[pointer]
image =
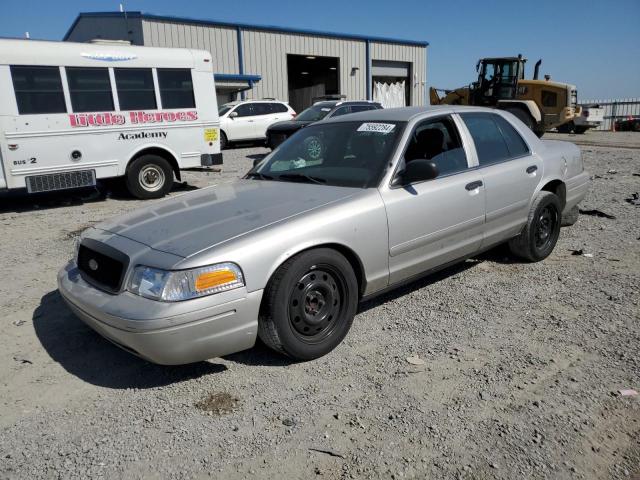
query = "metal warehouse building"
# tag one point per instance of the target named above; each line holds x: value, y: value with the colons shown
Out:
x: 255, y: 61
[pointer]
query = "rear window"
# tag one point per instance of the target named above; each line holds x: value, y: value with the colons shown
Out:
x: 490, y: 145
x: 135, y: 89
x: 176, y: 88
x: 278, y: 107
x: 38, y: 90
x: 516, y: 145
x: 90, y: 89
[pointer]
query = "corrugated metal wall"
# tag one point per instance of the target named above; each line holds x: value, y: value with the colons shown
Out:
x: 415, y: 55
x: 108, y: 28
x: 220, y: 41
x: 616, y: 110
x: 265, y: 53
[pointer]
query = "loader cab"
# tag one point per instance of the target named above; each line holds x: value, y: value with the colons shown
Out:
x: 497, y: 80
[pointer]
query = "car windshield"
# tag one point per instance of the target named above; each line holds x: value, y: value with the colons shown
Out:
x: 348, y: 154
x: 224, y: 109
x: 314, y: 113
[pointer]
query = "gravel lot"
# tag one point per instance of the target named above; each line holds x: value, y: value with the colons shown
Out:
x: 523, y: 363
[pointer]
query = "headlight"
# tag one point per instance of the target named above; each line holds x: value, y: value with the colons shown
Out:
x: 175, y: 286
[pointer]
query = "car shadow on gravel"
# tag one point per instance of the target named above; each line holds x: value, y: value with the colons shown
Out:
x: 20, y: 201
x: 88, y: 356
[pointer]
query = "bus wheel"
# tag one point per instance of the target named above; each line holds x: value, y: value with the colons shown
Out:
x: 149, y: 176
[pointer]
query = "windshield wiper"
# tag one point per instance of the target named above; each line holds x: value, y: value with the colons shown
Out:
x: 301, y: 176
x: 260, y: 176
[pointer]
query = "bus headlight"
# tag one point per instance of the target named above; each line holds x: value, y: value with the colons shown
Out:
x: 179, y: 285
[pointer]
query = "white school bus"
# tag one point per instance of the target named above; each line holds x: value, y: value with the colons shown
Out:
x: 72, y: 113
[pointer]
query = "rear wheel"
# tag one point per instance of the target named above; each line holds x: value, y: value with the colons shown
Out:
x: 309, y: 304
x: 149, y: 176
x: 540, y: 235
x: 527, y: 119
x: 223, y: 140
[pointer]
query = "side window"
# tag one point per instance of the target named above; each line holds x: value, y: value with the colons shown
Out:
x: 176, y: 88
x: 516, y: 145
x: 245, y: 110
x: 490, y: 144
x: 135, y: 89
x: 341, y: 111
x: 38, y: 90
x: 438, y: 140
x: 549, y: 99
x: 361, y: 108
x: 261, y: 108
x: 90, y: 89
x: 278, y: 108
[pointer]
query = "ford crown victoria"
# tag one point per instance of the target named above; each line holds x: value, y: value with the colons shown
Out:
x: 287, y: 252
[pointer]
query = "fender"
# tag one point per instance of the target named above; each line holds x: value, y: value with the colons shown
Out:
x: 528, y: 105
x: 139, y: 148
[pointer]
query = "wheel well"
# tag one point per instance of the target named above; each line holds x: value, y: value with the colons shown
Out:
x: 352, y: 258
x: 559, y: 188
x: 160, y: 152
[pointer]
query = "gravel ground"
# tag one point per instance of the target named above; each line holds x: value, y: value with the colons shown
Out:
x: 523, y: 363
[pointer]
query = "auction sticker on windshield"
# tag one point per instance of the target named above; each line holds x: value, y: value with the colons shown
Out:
x: 383, y: 128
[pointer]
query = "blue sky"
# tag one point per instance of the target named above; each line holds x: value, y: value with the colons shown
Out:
x: 593, y: 44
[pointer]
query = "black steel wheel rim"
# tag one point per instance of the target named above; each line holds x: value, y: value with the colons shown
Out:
x: 546, y: 227
x: 316, y: 303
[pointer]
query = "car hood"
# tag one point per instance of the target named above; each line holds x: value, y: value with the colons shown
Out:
x: 190, y: 223
x: 288, y: 125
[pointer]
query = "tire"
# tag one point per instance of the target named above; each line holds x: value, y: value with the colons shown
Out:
x: 571, y: 217
x: 523, y: 116
x: 149, y: 176
x: 223, y: 140
x: 309, y: 304
x: 580, y: 130
x: 540, y: 234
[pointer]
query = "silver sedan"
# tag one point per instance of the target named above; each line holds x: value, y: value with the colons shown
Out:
x: 343, y: 210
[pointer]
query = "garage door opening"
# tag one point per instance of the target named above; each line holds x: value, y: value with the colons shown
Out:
x: 391, y: 85
x: 310, y: 77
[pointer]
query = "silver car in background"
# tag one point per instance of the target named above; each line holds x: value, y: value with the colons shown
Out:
x: 287, y: 252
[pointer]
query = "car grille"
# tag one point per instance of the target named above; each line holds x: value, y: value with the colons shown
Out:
x: 276, y: 139
x: 61, y: 181
x: 101, y: 269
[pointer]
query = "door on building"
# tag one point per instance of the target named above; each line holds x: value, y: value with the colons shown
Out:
x: 311, y: 76
x: 391, y: 83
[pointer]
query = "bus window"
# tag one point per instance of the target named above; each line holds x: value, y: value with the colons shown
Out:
x: 38, y: 89
x: 90, y: 89
x: 135, y: 89
x: 176, y: 88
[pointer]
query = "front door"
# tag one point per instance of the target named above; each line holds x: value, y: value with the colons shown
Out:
x: 434, y: 222
x: 244, y: 126
x: 509, y: 170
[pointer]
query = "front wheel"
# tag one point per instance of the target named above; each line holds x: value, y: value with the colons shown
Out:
x: 309, y: 304
x: 149, y: 176
x: 540, y: 235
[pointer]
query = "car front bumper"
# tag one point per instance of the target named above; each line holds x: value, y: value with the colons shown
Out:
x: 165, y: 333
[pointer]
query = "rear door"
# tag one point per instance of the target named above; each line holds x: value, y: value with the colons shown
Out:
x: 509, y: 170
x: 434, y: 222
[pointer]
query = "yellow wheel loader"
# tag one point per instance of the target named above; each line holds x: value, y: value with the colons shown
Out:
x: 540, y: 104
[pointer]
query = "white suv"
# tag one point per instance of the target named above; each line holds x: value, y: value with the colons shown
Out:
x: 249, y: 119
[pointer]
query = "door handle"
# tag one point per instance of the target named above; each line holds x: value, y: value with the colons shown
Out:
x: 473, y: 185
x: 532, y: 169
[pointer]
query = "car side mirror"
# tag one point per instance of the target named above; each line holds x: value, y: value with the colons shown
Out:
x: 233, y: 114
x: 418, y: 171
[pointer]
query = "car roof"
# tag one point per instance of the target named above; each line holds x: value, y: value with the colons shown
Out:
x: 403, y: 114
x: 262, y: 100
x: 335, y: 103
